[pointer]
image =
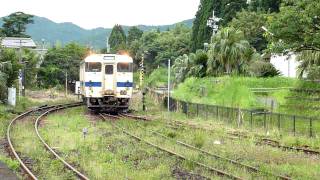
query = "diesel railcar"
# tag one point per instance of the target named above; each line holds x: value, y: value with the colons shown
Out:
x: 106, y: 82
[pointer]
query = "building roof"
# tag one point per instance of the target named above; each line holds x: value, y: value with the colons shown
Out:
x: 16, y: 42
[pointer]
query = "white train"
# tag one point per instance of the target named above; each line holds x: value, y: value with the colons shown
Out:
x: 106, y: 82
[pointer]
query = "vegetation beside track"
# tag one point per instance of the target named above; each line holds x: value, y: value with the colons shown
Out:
x: 7, y: 113
x: 109, y: 154
x: 106, y: 153
x: 291, y: 163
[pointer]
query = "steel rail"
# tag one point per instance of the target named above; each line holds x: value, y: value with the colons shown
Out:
x: 261, y: 139
x: 216, y: 171
x: 12, y: 149
x: 249, y: 167
x: 36, y: 125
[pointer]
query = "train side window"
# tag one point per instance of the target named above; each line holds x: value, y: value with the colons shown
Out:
x: 109, y: 69
x: 124, y: 67
x: 93, y: 67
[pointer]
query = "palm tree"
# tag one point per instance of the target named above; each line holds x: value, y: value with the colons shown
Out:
x: 228, y: 52
x: 308, y: 59
x: 181, y: 68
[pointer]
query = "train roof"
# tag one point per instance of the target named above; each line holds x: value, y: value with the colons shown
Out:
x: 108, y: 58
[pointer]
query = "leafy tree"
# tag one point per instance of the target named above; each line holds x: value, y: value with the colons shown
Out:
x: 59, y: 60
x: 262, y: 69
x: 117, y: 39
x: 230, y: 8
x: 10, y: 72
x: 159, y: 47
x: 309, y: 62
x: 15, y: 24
x: 265, y: 5
x: 228, y: 52
x: 201, y: 33
x: 134, y: 34
x: 181, y: 68
x: 31, y: 69
x: 296, y: 27
x: 250, y: 24
x: 225, y: 9
x: 199, y: 61
x: 192, y: 65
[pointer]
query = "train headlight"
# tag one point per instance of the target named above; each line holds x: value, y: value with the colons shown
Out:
x: 123, y: 92
x: 108, y: 92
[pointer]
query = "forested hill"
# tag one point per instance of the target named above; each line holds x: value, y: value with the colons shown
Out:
x: 66, y: 32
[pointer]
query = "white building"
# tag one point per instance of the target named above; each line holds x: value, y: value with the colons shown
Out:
x: 16, y: 42
x: 286, y: 64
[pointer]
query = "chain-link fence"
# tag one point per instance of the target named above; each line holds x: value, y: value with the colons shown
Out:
x: 254, y: 119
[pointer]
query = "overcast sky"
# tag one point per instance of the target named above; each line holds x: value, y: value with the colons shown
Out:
x: 105, y: 13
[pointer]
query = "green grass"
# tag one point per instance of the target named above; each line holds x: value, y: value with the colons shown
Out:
x: 7, y: 113
x: 295, y: 164
x: 105, y: 153
x: 238, y: 92
x: 44, y: 166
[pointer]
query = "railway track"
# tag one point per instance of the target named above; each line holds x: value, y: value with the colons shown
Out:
x: 261, y: 140
x: 170, y: 152
x: 210, y: 154
x: 40, y: 112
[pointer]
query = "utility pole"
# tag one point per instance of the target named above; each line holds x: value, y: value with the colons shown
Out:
x: 66, y: 84
x: 169, y: 74
x: 108, y: 45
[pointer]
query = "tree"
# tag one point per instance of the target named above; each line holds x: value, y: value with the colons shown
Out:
x: 15, y: 24
x: 230, y: 9
x: 263, y: 69
x: 134, y: 34
x: 265, y: 5
x: 225, y: 9
x: 31, y: 69
x: 250, y: 24
x: 309, y: 63
x: 192, y: 65
x: 117, y: 39
x: 59, y: 60
x: 158, y: 47
x: 296, y: 27
x: 11, y: 72
x: 201, y: 33
x: 228, y: 52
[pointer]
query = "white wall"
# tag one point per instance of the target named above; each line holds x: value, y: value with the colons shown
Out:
x: 286, y: 64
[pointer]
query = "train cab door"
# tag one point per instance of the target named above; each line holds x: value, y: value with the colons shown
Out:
x: 109, y: 79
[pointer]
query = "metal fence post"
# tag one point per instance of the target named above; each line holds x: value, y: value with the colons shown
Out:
x: 294, y: 125
x: 217, y: 113
x: 197, y: 110
x: 207, y: 109
x: 279, y: 122
x: 251, y: 120
x: 265, y: 121
x: 310, y: 128
x: 187, y: 110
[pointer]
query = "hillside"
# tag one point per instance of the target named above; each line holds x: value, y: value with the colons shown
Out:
x: 52, y: 32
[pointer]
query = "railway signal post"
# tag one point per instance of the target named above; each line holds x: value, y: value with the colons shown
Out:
x: 141, y: 83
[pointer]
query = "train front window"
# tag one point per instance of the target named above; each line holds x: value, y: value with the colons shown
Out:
x: 93, y: 67
x: 124, y: 67
x: 109, y: 69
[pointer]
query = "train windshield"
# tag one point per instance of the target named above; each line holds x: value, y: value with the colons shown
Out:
x: 124, y: 67
x: 93, y: 67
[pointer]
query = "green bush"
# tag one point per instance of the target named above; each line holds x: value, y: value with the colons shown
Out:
x: 12, y: 164
x: 158, y: 78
